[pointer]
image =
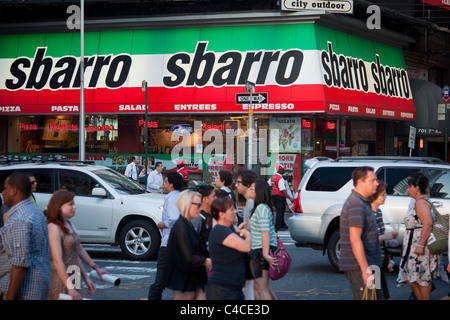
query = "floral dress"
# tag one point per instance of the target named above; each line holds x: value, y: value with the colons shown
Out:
x: 415, y: 268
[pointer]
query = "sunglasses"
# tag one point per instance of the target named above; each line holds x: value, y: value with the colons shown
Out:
x: 197, y: 204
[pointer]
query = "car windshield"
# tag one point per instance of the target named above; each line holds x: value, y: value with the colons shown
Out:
x: 118, y: 182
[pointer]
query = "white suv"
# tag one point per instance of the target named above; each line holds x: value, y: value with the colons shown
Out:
x: 327, y: 184
x: 110, y: 208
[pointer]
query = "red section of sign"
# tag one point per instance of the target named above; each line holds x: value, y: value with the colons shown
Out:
x: 290, y: 99
x: 440, y: 3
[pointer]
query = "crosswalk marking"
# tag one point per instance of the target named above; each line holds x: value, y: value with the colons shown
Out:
x: 285, y: 237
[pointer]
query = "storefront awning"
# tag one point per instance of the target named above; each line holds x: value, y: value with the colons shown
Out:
x: 298, y: 68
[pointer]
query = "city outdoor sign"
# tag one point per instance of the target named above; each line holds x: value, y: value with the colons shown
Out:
x: 336, y: 6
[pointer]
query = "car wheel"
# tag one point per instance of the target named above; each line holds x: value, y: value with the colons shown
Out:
x: 333, y: 248
x: 139, y: 240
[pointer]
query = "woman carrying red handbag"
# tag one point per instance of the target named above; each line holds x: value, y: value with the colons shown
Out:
x: 264, y: 237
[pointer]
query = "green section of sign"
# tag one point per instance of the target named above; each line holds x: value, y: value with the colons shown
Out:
x: 353, y: 46
x: 220, y: 39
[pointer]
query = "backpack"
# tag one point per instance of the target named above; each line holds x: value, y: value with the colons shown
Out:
x: 284, y: 262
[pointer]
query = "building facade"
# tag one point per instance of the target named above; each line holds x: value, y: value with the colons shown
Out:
x: 324, y: 86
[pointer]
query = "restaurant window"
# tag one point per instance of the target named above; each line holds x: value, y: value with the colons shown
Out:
x: 102, y: 134
x: 48, y: 133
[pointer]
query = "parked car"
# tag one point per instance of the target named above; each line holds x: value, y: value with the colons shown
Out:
x: 111, y: 209
x: 327, y: 184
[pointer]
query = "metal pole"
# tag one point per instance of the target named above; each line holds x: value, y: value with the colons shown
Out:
x: 82, y: 130
x: 250, y: 134
x: 446, y: 134
x: 146, y: 135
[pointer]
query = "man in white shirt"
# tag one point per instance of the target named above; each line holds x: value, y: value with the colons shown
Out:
x: 132, y: 171
x: 155, y: 181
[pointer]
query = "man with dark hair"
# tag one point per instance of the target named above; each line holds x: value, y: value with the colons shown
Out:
x: 224, y: 180
x: 279, y: 196
x: 170, y: 214
x: 24, y: 244
x: 33, y: 182
x: 155, y: 182
x: 360, y: 246
x: 244, y: 180
x: 202, y: 224
x: 132, y: 170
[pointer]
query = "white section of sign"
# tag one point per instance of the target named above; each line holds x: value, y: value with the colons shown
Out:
x: 412, y: 137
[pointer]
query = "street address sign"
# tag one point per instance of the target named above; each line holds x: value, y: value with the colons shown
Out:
x: 244, y: 98
x: 412, y: 137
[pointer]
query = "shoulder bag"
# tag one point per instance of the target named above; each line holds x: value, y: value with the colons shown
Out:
x: 438, y: 239
x: 284, y: 262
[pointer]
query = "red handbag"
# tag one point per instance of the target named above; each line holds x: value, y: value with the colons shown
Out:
x: 284, y: 262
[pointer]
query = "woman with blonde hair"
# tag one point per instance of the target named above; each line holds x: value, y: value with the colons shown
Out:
x: 187, y: 260
x: 66, y: 251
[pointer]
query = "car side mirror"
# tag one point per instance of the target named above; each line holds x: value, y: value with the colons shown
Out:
x: 99, y: 192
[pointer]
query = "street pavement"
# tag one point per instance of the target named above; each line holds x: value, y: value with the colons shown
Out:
x: 311, y: 277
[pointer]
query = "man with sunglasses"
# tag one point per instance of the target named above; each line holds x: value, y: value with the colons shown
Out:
x: 244, y: 180
x: 33, y: 187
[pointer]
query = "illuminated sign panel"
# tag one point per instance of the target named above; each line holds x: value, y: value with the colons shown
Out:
x: 303, y: 72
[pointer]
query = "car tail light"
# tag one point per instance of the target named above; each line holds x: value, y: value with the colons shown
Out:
x: 297, y: 206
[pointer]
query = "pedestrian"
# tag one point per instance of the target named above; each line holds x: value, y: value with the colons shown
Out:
x: 378, y: 199
x: 244, y: 180
x: 33, y: 182
x: 187, y: 260
x: 203, y: 223
x: 155, y: 182
x: 417, y: 265
x: 264, y: 238
x: 3, y: 209
x: 142, y: 173
x: 224, y: 181
x: 227, y: 251
x: 181, y: 169
x: 24, y: 244
x: 170, y: 214
x: 132, y: 170
x: 360, y: 245
x: 279, y: 196
x: 66, y: 251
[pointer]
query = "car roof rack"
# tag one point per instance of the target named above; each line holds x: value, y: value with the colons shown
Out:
x: 390, y: 158
x: 11, y: 160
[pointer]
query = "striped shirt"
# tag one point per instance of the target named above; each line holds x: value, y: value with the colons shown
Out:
x: 357, y: 212
x: 24, y: 243
x: 261, y: 221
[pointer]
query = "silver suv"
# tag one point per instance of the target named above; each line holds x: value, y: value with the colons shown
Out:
x: 327, y: 184
x: 110, y: 208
